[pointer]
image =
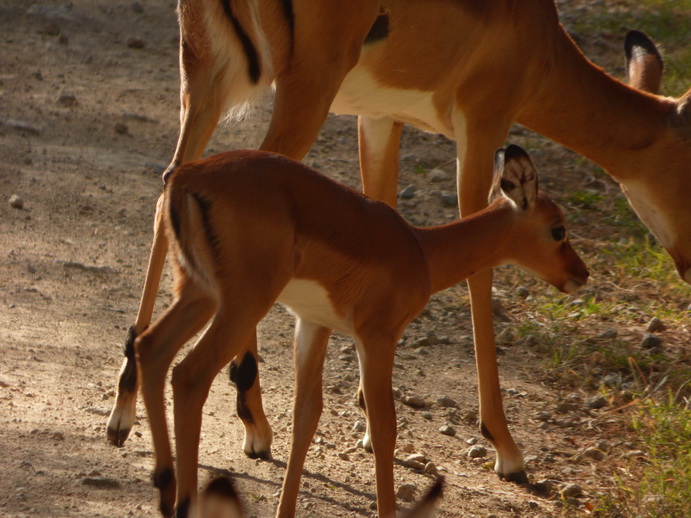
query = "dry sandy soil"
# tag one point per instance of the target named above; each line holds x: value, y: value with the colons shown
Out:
x: 88, y: 120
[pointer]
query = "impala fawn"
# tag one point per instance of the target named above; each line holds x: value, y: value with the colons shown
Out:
x: 247, y: 229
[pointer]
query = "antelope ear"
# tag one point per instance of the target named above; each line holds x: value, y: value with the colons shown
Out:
x: 518, y: 180
x: 644, y: 63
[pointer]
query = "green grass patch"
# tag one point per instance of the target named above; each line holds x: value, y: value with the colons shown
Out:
x: 660, y: 486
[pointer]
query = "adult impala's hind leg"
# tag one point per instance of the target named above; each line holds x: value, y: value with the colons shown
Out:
x: 309, y: 76
x: 244, y: 374
x: 123, y: 414
x: 155, y: 351
x: 310, y: 348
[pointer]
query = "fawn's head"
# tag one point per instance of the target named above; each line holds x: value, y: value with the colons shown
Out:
x: 540, y: 242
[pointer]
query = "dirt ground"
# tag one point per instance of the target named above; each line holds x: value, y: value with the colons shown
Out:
x: 88, y: 120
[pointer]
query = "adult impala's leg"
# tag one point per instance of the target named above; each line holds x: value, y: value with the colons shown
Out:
x: 477, y: 141
x: 379, y: 144
x: 309, y: 350
x: 377, y: 367
x: 155, y: 350
x: 327, y: 39
x: 224, y: 63
x: 245, y: 375
x: 123, y: 415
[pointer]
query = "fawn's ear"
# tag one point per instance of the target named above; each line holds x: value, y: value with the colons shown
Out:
x: 515, y: 175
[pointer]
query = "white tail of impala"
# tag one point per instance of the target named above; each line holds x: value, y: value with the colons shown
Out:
x: 462, y: 68
x: 247, y: 229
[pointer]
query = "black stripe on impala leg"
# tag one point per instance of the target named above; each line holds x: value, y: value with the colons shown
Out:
x: 127, y: 384
x: 162, y: 480
x: 128, y: 380
x: 243, y: 376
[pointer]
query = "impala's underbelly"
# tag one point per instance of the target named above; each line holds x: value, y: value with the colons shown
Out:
x: 311, y: 302
x: 360, y: 94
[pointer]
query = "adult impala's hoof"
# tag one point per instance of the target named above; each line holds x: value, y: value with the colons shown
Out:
x: 117, y: 436
x: 263, y: 455
x: 519, y: 477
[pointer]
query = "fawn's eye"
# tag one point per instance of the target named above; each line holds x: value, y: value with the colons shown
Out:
x: 558, y: 233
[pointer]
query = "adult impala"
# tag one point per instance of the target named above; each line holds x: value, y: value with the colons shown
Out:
x: 247, y: 229
x: 464, y: 68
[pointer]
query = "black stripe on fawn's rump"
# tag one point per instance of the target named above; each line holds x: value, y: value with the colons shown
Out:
x: 253, y: 64
x: 205, y: 210
x: 128, y: 379
x: 379, y: 30
x: 290, y: 18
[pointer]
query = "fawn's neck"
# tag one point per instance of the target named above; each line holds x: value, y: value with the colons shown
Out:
x: 457, y: 250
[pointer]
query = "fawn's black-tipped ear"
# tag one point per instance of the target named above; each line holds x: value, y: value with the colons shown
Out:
x: 644, y: 63
x: 518, y: 180
x: 220, y: 499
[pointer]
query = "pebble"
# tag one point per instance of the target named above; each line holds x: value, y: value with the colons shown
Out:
x: 135, y: 43
x: 50, y: 29
x: 543, y: 416
x: 407, y: 448
x: 431, y: 468
x: 655, y: 325
x: 596, y: 402
x: 544, y: 486
x: 498, y: 308
x: 565, y: 407
x: 471, y: 441
x: 406, y: 492
x: 449, y: 199
x: 651, y: 341
x: 572, y: 491
x: 477, y: 452
x: 427, y: 415
x: 414, y: 401
x: 447, y: 430
x: 359, y: 426
x: 343, y: 456
x: 67, y: 100
x: 447, y: 402
x: 16, y: 201
x: 603, y: 446
x: 100, y: 482
x: 522, y: 292
x: 121, y: 128
x: 437, y: 175
x: 594, y: 453
x: 408, y: 193
x: 609, y: 334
